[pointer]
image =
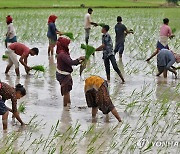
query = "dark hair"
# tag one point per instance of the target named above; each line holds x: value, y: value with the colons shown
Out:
x: 119, y: 19
x: 21, y: 89
x: 90, y: 10
x: 106, y: 27
x: 36, y: 50
x: 165, y: 20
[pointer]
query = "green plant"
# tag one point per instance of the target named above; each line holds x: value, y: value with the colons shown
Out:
x: 38, y: 68
x: 70, y: 35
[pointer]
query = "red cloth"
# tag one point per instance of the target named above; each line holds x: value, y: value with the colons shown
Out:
x: 19, y: 48
x: 9, y: 19
x: 62, y: 45
x: 52, y: 18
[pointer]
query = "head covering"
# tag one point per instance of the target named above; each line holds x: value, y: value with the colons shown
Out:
x: 52, y: 18
x: 177, y: 57
x: 9, y: 19
x: 62, y: 45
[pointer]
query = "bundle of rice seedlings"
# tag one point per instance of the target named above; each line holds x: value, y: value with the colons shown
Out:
x: 89, y: 51
x: 21, y: 108
x: 4, y: 56
x: 101, y: 24
x: 173, y: 30
x: 70, y: 35
x: 38, y: 68
x: 178, y: 67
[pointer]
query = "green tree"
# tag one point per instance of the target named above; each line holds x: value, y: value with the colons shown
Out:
x: 173, y: 1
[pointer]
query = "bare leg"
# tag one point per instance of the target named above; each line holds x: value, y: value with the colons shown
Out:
x: 4, y: 120
x: 165, y: 73
x: 173, y: 71
x: 120, y: 56
x: 67, y: 99
x: 7, y: 69
x: 94, y: 112
x: 155, y: 53
x: 115, y: 113
x: 107, y: 117
x: 49, y: 49
x: 17, y: 71
x: 5, y: 44
x: 52, y: 51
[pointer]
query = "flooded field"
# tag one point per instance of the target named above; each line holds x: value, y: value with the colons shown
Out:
x: 148, y: 105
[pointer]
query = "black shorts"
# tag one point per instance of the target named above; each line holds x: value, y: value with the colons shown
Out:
x: 3, y: 108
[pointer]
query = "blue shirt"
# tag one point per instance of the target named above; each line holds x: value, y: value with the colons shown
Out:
x: 52, y: 31
x: 165, y: 58
x: 108, y: 49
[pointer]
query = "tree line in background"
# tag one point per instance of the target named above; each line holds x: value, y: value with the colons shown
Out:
x: 173, y: 1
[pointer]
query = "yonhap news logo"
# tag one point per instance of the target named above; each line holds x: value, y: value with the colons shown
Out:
x: 144, y: 143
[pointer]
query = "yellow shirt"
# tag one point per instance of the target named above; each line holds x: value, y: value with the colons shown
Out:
x: 93, y: 82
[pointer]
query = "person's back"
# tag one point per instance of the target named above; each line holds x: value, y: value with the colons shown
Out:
x: 87, y: 21
x: 165, y: 30
x: 119, y: 30
x: 93, y: 82
x: 164, y: 56
x: 19, y: 48
x: 52, y: 31
x: 108, y: 49
x: 11, y: 31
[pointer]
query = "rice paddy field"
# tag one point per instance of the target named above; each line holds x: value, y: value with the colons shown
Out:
x: 148, y: 105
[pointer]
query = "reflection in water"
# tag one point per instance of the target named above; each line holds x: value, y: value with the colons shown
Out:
x: 165, y: 90
x: 121, y: 65
x: 66, y: 120
x: 52, y: 79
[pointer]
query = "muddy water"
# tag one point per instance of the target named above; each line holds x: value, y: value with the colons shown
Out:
x: 44, y: 100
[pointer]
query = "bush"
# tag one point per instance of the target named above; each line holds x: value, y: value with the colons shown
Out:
x: 173, y: 1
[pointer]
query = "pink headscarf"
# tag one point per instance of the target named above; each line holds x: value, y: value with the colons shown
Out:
x: 62, y: 45
x: 52, y: 18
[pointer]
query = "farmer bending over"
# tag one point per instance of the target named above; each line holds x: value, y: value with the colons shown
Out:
x: 20, y: 49
x: 8, y: 92
x: 97, y: 96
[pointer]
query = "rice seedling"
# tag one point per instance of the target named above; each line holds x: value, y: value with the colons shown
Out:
x: 4, y: 56
x: 70, y: 35
x: 22, y: 108
x: 173, y: 30
x: 38, y: 68
x: 89, y: 51
x: 101, y: 24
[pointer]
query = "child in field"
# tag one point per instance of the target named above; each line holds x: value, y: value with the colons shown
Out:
x: 165, y: 34
x: 97, y: 96
x: 7, y: 92
x: 121, y: 32
x: 108, y: 53
x: 165, y: 61
x: 52, y: 34
x: 11, y: 34
x: 64, y: 69
x: 20, y: 49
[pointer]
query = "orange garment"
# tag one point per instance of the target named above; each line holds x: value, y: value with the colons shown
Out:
x: 93, y: 82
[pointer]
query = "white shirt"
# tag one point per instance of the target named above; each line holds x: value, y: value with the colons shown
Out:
x: 87, y: 21
x: 11, y: 31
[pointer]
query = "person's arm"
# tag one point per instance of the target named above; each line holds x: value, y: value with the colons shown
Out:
x: 92, y: 23
x: 154, y: 54
x: 101, y: 47
x: 23, y: 61
x: 170, y: 34
x: 67, y: 59
x: 14, y: 110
